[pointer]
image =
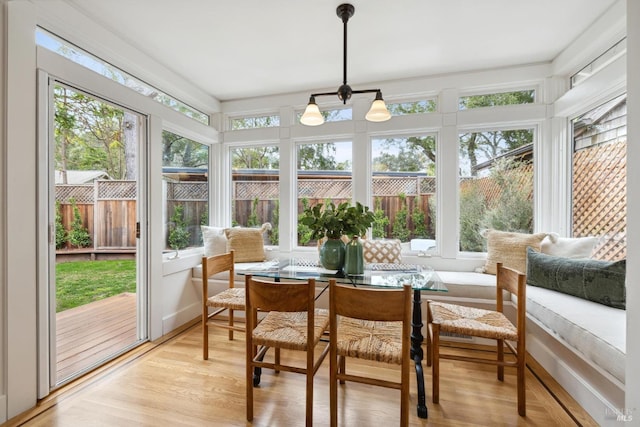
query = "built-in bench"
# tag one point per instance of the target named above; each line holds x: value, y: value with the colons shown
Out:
x: 579, y: 342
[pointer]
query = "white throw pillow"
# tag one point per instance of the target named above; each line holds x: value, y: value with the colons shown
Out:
x: 569, y: 247
x: 215, y: 241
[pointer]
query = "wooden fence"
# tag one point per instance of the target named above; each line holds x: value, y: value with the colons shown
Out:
x: 108, y: 208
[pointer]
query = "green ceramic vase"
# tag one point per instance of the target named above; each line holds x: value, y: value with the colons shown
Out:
x: 354, y: 258
x: 332, y: 254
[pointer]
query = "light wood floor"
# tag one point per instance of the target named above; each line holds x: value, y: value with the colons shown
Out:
x: 88, y: 334
x: 168, y: 384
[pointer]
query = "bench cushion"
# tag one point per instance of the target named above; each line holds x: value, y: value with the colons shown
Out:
x: 596, y: 331
x: 467, y: 284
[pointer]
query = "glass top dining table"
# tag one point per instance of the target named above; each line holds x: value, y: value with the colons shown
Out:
x: 375, y: 275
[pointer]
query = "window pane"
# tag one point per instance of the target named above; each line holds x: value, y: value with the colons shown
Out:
x: 599, y: 178
x: 255, y: 122
x: 336, y: 115
x: 324, y: 175
x: 416, y: 107
x: 185, y: 171
x: 85, y: 59
x: 256, y: 190
x: 404, y: 189
x: 496, y: 184
x: 495, y: 99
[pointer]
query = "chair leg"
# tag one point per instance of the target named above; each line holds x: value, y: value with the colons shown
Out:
x: 435, y: 360
x: 522, y: 406
x: 404, y: 394
x: 230, y: 324
x: 342, y: 366
x: 277, y: 358
x: 500, y: 355
x: 251, y: 352
x: 333, y: 387
x: 309, y: 373
x: 205, y: 334
x: 429, y: 332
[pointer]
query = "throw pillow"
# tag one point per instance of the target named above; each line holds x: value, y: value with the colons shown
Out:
x: 215, y: 241
x: 382, y: 251
x: 510, y: 249
x: 248, y: 243
x: 568, y: 247
x: 594, y: 280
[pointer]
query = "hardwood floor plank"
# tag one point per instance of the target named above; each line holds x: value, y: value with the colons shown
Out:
x: 170, y: 385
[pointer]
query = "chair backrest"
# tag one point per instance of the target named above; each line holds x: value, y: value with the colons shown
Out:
x: 515, y: 282
x: 217, y: 264
x: 277, y: 296
x: 385, y: 305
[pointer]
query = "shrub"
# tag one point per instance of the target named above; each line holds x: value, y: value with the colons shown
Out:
x: 400, y: 223
x: 513, y: 210
x: 419, y: 219
x: 61, y: 233
x: 380, y: 222
x: 274, y: 235
x: 178, y: 234
x: 78, y: 235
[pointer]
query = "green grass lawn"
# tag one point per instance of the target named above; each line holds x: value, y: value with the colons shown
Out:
x: 82, y: 282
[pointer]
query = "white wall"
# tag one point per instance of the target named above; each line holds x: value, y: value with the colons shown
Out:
x: 632, y: 400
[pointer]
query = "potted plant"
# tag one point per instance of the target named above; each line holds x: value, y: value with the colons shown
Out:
x: 333, y: 222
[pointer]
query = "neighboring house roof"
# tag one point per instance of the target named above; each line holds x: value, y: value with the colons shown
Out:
x: 81, y: 177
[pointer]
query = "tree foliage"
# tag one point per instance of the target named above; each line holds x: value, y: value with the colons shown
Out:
x: 78, y: 235
x: 179, y: 151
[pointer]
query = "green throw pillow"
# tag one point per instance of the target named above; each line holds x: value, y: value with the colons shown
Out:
x: 590, y: 279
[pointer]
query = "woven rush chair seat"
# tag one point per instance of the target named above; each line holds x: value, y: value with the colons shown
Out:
x: 289, y: 330
x: 473, y: 321
x: 370, y: 340
x: 232, y: 298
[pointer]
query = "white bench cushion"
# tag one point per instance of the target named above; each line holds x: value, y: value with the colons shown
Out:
x: 595, y: 330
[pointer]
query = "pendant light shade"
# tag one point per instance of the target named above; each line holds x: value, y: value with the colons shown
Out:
x: 378, y: 112
x: 312, y: 115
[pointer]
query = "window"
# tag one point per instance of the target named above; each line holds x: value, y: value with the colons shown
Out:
x: 324, y: 175
x: 599, y: 192
x: 415, y: 107
x: 496, y: 99
x: 81, y: 57
x: 496, y: 184
x: 336, y: 115
x: 185, y: 169
x: 404, y: 189
x: 600, y: 62
x: 255, y: 122
x: 255, y: 195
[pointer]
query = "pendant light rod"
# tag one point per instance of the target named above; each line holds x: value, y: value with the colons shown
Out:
x: 378, y: 112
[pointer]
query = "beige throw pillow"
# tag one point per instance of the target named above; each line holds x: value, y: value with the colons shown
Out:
x: 510, y: 249
x: 247, y: 243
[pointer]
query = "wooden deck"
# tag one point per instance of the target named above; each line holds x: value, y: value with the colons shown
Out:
x: 91, y: 333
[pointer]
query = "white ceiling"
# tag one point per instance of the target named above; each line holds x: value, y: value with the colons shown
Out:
x: 235, y: 49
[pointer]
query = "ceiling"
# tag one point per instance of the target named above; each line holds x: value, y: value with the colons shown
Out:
x: 235, y: 49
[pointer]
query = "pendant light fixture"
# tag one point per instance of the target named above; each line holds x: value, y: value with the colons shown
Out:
x: 378, y: 111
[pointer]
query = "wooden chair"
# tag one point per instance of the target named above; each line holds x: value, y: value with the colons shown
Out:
x: 372, y: 324
x: 489, y: 324
x: 230, y: 299
x: 292, y: 322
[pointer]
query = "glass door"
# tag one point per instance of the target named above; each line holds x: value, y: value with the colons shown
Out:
x: 97, y: 298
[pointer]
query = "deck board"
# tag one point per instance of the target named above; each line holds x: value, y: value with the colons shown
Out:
x: 90, y: 333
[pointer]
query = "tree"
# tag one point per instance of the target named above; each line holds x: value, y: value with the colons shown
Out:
x: 319, y: 157
x: 419, y: 219
x: 414, y: 154
x: 179, y: 151
x: 255, y: 158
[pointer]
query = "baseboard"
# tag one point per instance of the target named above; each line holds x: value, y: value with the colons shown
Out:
x: 3, y: 408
